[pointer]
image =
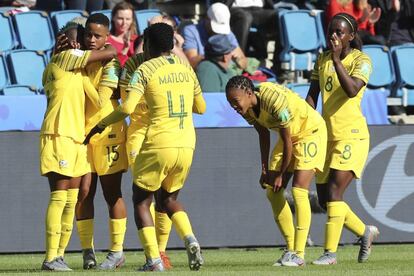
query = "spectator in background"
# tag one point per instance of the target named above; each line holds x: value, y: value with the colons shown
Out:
x: 259, y: 14
x: 123, y: 31
x: 86, y: 5
x: 216, y: 22
x: 178, y: 39
x: 365, y: 15
x: 18, y: 3
x: 213, y: 72
x: 396, y: 23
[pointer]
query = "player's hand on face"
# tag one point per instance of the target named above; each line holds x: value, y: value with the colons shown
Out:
x: 336, y: 46
x: 93, y: 131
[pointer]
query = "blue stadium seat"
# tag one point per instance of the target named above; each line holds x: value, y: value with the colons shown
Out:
x: 8, y: 37
x: 302, y: 89
x: 60, y: 18
x: 26, y: 67
x: 34, y: 30
x: 320, y: 16
x: 403, y: 60
x: 301, y: 39
x: 383, y: 75
x: 18, y: 90
x: 4, y: 72
x: 143, y: 16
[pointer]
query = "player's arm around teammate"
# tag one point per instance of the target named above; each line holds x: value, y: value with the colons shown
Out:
x: 62, y: 155
x: 300, y: 151
x: 341, y: 75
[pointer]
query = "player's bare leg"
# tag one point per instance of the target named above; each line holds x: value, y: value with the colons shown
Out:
x: 111, y: 187
x: 84, y: 217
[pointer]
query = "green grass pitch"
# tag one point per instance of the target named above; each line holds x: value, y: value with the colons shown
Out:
x: 385, y: 260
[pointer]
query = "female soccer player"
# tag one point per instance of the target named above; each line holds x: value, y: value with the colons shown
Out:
x: 341, y: 75
x: 300, y: 152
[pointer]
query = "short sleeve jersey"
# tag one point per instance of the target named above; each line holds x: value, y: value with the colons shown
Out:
x: 343, y: 115
x: 62, y: 81
x: 169, y: 86
x: 103, y: 75
x: 139, y: 118
x: 283, y: 108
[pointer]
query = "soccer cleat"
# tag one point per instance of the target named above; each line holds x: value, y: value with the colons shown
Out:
x: 195, y: 260
x: 294, y: 260
x: 152, y: 265
x: 165, y: 260
x: 55, y: 265
x: 371, y: 233
x: 63, y: 263
x: 89, y: 259
x: 113, y: 260
x: 285, y: 256
x: 328, y: 258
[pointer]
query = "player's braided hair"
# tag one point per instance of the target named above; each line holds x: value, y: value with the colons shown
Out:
x: 161, y: 37
x: 69, y: 26
x: 353, y: 27
x: 98, y: 18
x: 240, y: 82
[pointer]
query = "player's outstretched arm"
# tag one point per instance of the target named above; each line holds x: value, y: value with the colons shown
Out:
x: 313, y: 94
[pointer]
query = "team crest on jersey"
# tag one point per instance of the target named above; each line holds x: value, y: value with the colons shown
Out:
x: 332, y: 68
x: 112, y: 74
x: 134, y: 78
x: 365, y: 69
x: 284, y: 115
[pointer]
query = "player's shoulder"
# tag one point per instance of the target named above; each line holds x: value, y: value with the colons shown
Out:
x: 358, y: 55
x: 113, y: 63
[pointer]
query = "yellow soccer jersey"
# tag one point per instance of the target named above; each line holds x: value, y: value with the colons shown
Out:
x: 169, y: 86
x: 105, y: 75
x: 283, y: 108
x: 62, y: 81
x: 138, y: 118
x: 342, y: 114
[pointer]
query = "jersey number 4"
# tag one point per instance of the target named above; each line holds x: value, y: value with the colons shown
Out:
x: 181, y: 114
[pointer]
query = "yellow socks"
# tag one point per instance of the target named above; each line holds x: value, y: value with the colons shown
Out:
x: 53, y: 222
x: 354, y: 223
x: 85, y: 231
x: 117, y: 229
x: 283, y: 216
x: 149, y: 242
x: 162, y: 229
x: 336, y: 217
x: 67, y: 220
x: 182, y: 224
x: 303, y: 219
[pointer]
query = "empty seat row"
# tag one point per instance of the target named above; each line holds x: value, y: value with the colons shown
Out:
x: 392, y: 71
x: 35, y: 30
x: 22, y: 67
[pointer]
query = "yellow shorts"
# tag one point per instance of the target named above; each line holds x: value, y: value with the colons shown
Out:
x: 167, y: 168
x: 345, y: 155
x: 107, y: 159
x: 62, y: 155
x: 135, y: 138
x: 308, y: 152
